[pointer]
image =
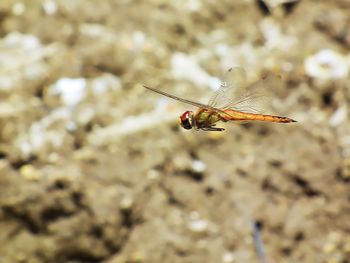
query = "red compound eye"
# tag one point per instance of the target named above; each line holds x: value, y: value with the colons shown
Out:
x: 185, y: 120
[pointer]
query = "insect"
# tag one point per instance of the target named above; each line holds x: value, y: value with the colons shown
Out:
x: 233, y: 101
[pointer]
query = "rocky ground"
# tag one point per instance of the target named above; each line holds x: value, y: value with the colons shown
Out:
x: 94, y: 168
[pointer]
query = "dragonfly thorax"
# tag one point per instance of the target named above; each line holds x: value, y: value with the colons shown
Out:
x: 186, y: 120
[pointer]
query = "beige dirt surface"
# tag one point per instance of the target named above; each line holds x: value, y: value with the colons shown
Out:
x: 95, y: 168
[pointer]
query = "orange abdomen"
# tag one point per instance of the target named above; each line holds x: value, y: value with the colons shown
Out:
x: 243, y: 116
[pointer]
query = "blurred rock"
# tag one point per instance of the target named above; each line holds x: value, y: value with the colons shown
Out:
x: 327, y: 65
x: 339, y: 116
x: 85, y: 155
x: 187, y: 68
x: 30, y: 173
x: 50, y: 7
x: 18, y: 8
x: 106, y: 83
x: 198, y: 226
x: 345, y: 170
x: 336, y: 25
x: 45, y: 135
x: 228, y: 257
x: 23, y: 59
x: 95, y: 169
x: 72, y: 91
x: 274, y: 37
x: 198, y: 166
x: 126, y: 203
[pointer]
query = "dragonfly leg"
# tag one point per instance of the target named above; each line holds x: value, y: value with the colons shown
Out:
x: 212, y: 129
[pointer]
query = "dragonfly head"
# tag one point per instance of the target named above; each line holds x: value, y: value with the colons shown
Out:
x: 186, y: 120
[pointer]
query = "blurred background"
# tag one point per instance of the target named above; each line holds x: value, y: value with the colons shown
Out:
x: 94, y: 168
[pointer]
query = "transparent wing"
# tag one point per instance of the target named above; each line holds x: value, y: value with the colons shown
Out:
x: 233, y: 79
x: 235, y: 93
x: 190, y: 102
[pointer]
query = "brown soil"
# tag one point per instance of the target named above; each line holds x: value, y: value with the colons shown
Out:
x: 111, y: 180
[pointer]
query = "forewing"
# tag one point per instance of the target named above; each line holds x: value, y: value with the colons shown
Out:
x: 193, y: 103
x: 189, y: 102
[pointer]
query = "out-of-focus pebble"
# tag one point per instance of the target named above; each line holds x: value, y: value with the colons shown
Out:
x: 137, y: 257
x: 126, y: 203
x: 85, y: 154
x: 186, y: 67
x: 274, y: 38
x: 198, y: 166
x: 335, y: 24
x: 19, y: 40
x: 40, y: 136
x: 24, y: 58
x: 176, y: 218
x: 72, y: 91
x: 182, y: 162
x: 347, y: 246
x: 71, y: 126
x: 50, y: 7
x: 333, y: 240
x: 8, y: 110
x: 228, y: 257
x: 18, y: 9
x: 327, y: 64
x: 104, y: 83
x: 85, y: 116
x: 339, y: 116
x: 54, y: 158
x: 97, y: 31
x: 329, y: 248
x: 198, y: 226
x: 153, y: 174
x: 129, y: 125
x: 345, y: 173
x: 193, y: 5
x: 4, y: 164
x: 30, y: 173
x: 139, y: 40
x: 194, y: 215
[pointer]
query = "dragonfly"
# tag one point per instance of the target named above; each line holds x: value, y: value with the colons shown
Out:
x: 233, y: 101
